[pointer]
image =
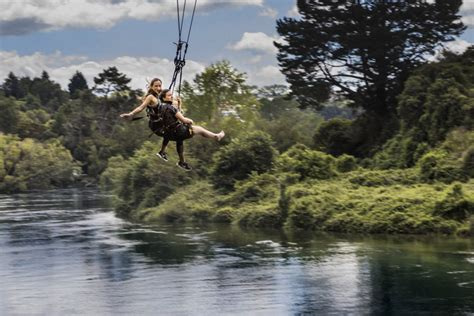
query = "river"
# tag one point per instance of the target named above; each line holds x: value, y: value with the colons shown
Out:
x: 65, y: 252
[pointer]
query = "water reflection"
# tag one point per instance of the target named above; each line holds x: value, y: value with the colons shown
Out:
x: 64, y: 252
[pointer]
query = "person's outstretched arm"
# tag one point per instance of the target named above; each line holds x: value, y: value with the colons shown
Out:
x: 138, y: 109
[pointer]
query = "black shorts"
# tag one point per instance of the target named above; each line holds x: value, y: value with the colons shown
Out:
x: 180, y: 132
x: 156, y: 127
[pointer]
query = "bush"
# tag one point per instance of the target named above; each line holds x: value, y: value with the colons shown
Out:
x: 437, y: 165
x: 374, y: 178
x: 143, y: 180
x: 454, y: 205
x: 346, y: 163
x: 194, y: 202
x: 468, y: 162
x: 27, y: 164
x: 260, y: 215
x: 251, y: 153
x: 334, y: 137
x: 307, y: 163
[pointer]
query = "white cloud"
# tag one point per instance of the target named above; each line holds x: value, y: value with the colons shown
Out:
x: 458, y: 46
x: 467, y: 12
x: 255, y: 59
x: 62, y: 67
x: 21, y: 17
x: 270, y: 12
x: 256, y: 42
x: 293, y: 12
x: 266, y: 75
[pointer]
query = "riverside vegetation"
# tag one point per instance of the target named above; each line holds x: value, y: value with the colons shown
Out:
x: 337, y: 166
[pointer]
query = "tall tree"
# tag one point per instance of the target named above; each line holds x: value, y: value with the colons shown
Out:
x: 218, y: 88
x: 111, y: 80
x: 12, y: 87
x: 364, y: 50
x: 77, y: 83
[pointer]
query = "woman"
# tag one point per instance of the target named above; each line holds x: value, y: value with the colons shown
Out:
x: 179, y: 128
x: 151, y: 103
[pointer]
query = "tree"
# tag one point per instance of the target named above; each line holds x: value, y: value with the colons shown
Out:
x: 219, y: 88
x: 335, y: 137
x: 76, y: 84
x: 49, y: 92
x: 111, y: 80
x: 363, y: 50
x: 12, y: 86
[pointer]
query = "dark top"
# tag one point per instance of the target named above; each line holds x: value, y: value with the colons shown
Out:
x: 169, y: 114
x: 153, y: 112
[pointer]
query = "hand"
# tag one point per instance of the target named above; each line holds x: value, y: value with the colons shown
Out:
x: 189, y: 121
x: 127, y: 116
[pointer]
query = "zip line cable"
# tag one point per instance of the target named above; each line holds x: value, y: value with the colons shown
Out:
x: 180, y: 57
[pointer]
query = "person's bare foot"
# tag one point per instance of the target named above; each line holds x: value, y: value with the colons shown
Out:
x: 220, y: 136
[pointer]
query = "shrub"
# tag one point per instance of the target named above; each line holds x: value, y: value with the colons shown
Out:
x: 346, y: 163
x: 454, y: 205
x: 437, y: 165
x: 309, y: 164
x: 27, y: 164
x: 468, y: 162
x: 334, y: 137
x: 251, y: 153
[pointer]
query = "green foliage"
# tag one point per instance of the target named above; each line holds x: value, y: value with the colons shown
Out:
x: 335, y: 137
x: 307, y: 163
x: 9, y: 117
x: 337, y: 205
x: 402, y: 151
x: 377, y: 52
x: 436, y: 165
x: 435, y: 106
x: 26, y: 164
x: 346, y: 163
x: 12, y: 87
x: 380, y: 178
x: 111, y: 80
x: 219, y: 89
x: 290, y: 127
x: 261, y: 215
x: 76, y: 84
x: 257, y: 188
x: 454, y: 205
x: 194, y: 202
x: 468, y: 162
x: 143, y: 180
x: 252, y: 152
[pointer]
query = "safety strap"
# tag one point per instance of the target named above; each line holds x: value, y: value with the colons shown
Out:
x: 181, y: 47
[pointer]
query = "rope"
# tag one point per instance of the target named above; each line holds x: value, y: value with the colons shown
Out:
x: 180, y: 57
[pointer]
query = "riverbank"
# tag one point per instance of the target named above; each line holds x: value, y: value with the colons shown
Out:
x: 390, y: 201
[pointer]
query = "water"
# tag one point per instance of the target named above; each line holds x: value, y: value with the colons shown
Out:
x: 65, y: 253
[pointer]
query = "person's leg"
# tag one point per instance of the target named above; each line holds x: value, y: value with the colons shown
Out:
x: 164, y: 144
x: 198, y: 130
x: 180, y: 150
x: 162, y: 153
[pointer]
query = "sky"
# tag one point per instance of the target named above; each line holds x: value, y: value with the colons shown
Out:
x: 137, y: 36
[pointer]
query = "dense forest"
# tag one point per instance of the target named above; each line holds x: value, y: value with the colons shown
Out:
x: 385, y: 147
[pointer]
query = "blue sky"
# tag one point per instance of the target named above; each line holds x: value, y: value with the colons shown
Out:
x: 62, y: 36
